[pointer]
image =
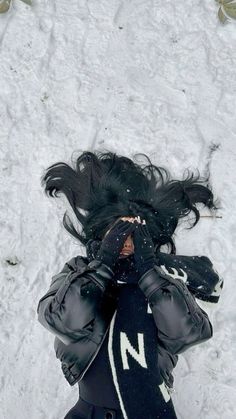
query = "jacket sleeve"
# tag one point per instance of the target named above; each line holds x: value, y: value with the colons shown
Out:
x: 180, y: 322
x: 207, y: 285
x: 74, y: 298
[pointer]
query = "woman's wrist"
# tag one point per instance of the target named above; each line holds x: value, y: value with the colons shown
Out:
x: 142, y: 269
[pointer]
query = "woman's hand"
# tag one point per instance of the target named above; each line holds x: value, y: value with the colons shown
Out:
x: 144, y: 254
x: 113, y: 242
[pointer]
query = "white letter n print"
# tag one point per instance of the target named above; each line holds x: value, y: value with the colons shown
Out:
x: 126, y: 346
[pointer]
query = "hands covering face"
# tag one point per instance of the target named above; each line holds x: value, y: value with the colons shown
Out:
x: 143, y: 246
x: 144, y: 251
x: 128, y: 235
x: 128, y: 247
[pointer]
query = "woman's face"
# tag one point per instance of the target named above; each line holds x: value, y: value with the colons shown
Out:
x: 128, y: 247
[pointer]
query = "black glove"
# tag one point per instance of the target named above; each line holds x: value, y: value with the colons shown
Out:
x: 113, y: 243
x: 144, y: 254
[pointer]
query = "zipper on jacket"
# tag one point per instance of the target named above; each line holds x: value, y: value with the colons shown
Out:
x: 169, y: 389
x: 93, y: 357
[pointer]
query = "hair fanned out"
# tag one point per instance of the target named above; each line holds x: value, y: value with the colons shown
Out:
x: 106, y: 186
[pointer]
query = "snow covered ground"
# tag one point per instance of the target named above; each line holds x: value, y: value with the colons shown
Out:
x: 130, y: 76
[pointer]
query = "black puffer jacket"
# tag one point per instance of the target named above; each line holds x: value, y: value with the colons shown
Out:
x: 81, y: 301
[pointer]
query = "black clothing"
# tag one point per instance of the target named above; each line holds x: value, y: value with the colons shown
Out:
x: 80, y: 307
x: 97, y: 385
x: 84, y: 410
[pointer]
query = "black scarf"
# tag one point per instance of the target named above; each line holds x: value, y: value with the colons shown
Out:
x: 132, y: 349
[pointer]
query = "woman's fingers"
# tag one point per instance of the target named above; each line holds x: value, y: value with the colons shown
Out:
x: 133, y: 219
x: 122, y: 229
x: 140, y: 221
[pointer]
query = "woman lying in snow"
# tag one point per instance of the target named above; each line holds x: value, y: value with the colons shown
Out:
x: 122, y: 313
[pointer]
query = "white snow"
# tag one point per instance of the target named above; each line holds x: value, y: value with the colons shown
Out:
x: 130, y: 76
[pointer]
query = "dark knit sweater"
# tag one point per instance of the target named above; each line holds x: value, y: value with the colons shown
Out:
x: 97, y: 385
x: 139, y: 390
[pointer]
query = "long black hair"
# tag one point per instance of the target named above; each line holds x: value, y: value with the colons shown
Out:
x: 103, y: 186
